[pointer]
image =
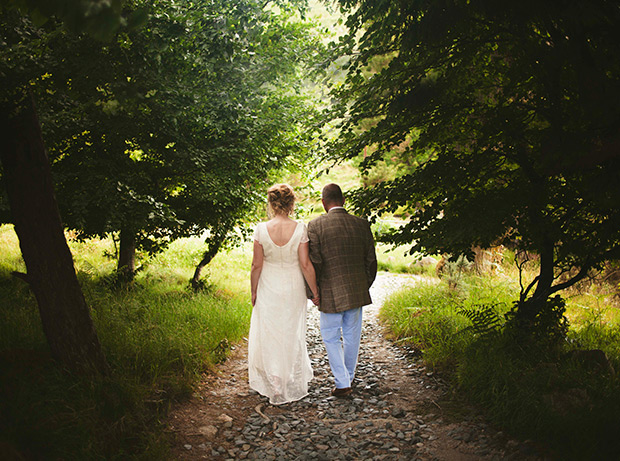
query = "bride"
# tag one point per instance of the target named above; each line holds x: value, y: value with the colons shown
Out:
x: 278, y: 362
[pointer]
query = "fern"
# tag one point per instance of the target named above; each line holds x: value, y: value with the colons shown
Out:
x: 485, y: 319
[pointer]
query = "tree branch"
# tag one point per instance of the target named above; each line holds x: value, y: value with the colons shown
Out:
x: 569, y: 283
x: 529, y: 287
x: 525, y: 292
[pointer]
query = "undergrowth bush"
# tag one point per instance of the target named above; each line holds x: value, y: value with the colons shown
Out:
x: 158, y: 336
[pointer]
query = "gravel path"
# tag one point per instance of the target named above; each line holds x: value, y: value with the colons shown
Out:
x: 398, y: 410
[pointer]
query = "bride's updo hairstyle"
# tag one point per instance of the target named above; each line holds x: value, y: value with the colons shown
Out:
x: 281, y: 199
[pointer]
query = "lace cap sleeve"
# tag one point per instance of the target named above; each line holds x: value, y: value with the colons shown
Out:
x: 304, y: 234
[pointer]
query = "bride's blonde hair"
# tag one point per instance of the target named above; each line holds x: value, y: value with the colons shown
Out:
x: 281, y: 199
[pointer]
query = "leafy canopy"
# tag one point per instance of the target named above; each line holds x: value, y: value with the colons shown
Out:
x: 98, y: 18
x: 504, y: 118
x: 173, y: 128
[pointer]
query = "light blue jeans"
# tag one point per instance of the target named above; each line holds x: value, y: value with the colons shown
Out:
x: 341, y: 334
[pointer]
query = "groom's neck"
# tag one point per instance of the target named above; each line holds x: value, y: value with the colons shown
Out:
x: 329, y: 206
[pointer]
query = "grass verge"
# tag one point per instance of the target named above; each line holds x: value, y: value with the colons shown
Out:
x: 571, y: 406
x: 158, y: 337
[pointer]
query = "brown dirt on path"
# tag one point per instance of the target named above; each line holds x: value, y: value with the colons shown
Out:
x: 399, y: 411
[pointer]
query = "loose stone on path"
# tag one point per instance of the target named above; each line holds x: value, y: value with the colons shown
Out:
x: 391, y: 415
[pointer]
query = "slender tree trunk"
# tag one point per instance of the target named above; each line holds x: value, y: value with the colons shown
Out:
x: 546, y: 274
x: 530, y: 308
x: 66, y: 319
x: 212, y: 250
x: 127, y: 255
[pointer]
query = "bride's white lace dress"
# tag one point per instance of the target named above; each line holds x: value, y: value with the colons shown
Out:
x: 278, y: 362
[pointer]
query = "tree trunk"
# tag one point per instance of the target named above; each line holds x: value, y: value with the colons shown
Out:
x: 66, y: 319
x: 530, y: 308
x: 127, y: 255
x: 546, y: 273
x: 212, y: 250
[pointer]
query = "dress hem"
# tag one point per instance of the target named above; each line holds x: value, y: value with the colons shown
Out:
x: 296, y: 399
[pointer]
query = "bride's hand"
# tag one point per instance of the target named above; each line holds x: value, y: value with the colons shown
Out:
x: 316, y: 299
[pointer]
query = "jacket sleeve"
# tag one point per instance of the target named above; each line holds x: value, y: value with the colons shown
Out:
x: 371, y: 257
x: 315, y: 250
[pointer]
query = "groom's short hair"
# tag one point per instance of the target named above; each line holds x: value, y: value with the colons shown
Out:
x: 332, y: 194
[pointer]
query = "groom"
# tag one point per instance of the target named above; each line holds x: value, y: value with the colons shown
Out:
x: 343, y: 254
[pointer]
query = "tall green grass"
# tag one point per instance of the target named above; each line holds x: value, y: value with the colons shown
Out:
x: 569, y: 406
x: 425, y: 316
x: 158, y: 336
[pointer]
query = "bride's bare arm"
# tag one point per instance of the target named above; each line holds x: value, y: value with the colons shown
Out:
x: 257, y: 267
x: 308, y: 270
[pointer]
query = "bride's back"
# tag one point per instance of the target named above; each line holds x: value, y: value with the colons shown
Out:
x: 281, y: 230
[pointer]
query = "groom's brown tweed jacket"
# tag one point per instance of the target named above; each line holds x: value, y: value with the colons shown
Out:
x: 342, y: 251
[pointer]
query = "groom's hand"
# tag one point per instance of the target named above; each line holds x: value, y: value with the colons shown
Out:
x: 315, y: 300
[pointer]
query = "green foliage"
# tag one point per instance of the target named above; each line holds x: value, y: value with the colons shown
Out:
x: 524, y: 385
x: 399, y: 261
x: 48, y: 414
x: 426, y: 317
x: 538, y: 322
x: 565, y: 407
x: 488, y: 372
x: 455, y: 269
x: 503, y: 121
x: 596, y: 333
x: 158, y: 337
x: 486, y: 322
x: 98, y: 19
x: 380, y: 172
x: 170, y: 129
